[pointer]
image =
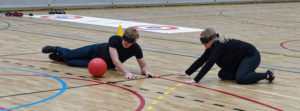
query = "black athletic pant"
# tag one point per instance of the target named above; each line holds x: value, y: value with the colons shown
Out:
x: 245, y: 73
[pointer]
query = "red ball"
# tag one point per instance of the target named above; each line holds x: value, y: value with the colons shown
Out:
x: 97, y: 67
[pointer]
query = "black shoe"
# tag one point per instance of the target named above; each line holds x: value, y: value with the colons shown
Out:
x: 56, y: 57
x: 53, y: 56
x: 49, y: 49
x: 271, y: 75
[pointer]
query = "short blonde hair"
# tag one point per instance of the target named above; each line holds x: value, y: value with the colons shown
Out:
x: 132, y: 33
x: 208, y: 32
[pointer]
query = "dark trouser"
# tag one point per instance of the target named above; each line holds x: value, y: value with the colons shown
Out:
x: 245, y: 73
x: 79, y: 57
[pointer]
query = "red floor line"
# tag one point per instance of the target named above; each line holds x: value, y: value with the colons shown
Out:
x: 141, y: 98
x: 244, y: 98
x: 3, y: 108
x: 282, y: 45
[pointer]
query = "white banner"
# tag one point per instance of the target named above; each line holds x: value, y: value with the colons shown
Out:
x: 115, y: 23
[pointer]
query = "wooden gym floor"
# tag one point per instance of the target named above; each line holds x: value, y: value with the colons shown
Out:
x: 32, y: 82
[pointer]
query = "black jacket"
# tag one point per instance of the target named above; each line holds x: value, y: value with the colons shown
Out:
x: 226, y: 55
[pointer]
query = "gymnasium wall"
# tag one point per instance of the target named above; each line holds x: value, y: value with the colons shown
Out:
x: 46, y: 4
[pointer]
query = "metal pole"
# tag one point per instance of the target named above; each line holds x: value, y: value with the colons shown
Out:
x: 49, y: 2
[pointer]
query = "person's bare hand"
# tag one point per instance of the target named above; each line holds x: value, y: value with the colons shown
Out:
x: 149, y: 74
x: 129, y: 76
